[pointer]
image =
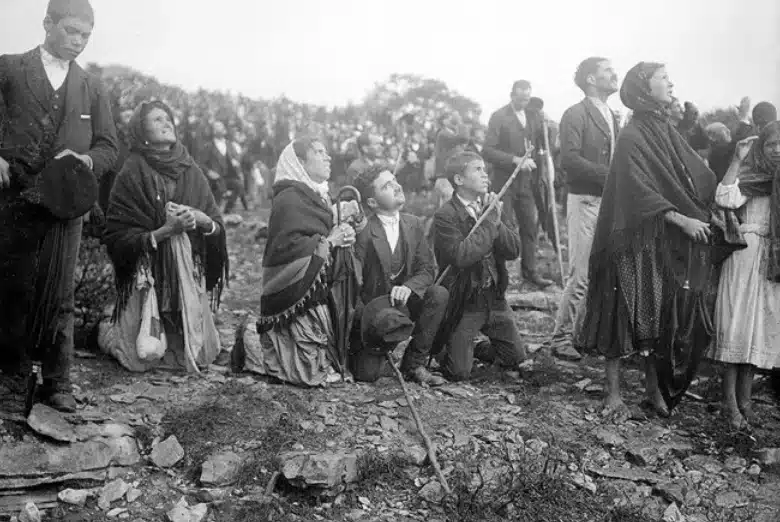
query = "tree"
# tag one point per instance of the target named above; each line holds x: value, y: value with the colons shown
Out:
x: 415, y: 94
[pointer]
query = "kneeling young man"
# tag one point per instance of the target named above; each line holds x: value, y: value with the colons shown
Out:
x: 477, y: 278
x: 397, y: 261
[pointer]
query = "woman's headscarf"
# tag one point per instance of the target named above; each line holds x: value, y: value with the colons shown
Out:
x: 635, y: 91
x: 762, y: 178
x: 172, y: 162
x: 290, y: 168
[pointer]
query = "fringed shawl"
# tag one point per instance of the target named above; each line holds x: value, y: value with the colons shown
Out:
x: 137, y: 207
x: 296, y: 259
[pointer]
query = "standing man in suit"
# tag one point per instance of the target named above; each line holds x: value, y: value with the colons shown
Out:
x: 397, y: 260
x: 510, y: 129
x: 222, y: 165
x: 49, y: 108
x: 453, y: 137
x: 588, y: 134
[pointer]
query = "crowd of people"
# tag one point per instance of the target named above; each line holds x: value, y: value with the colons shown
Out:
x: 671, y: 256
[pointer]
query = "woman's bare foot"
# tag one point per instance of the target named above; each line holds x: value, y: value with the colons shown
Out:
x: 656, y: 404
x: 734, y: 417
x: 748, y: 414
x: 615, y: 410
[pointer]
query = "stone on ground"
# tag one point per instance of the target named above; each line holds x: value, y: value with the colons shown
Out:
x: 30, y: 513
x: 221, y: 469
x: 319, y: 470
x: 181, y: 512
x: 433, y: 492
x: 112, y: 492
x: 673, y: 514
x: 74, y: 497
x: 167, y: 453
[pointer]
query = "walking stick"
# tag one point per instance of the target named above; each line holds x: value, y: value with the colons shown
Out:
x: 554, y: 207
x: 528, y: 151
x: 428, y: 444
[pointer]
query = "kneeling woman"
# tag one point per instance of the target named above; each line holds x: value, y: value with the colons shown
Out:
x: 164, y: 235
x: 296, y: 327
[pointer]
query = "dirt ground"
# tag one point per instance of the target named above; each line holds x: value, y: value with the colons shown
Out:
x: 527, y: 447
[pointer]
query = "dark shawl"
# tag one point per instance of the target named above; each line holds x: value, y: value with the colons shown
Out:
x: 653, y: 171
x: 148, y: 180
x: 295, y: 263
x: 762, y: 178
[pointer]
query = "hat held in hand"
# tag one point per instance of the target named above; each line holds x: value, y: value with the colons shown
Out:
x: 383, y: 326
x: 65, y: 187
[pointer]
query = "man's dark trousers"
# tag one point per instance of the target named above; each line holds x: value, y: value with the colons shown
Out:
x: 427, y: 313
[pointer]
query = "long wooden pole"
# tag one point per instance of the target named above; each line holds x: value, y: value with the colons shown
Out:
x: 486, y: 212
x: 553, y: 206
x: 428, y: 443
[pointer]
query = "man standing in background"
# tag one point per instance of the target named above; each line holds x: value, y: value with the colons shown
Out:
x: 50, y: 108
x: 588, y: 134
x: 453, y: 137
x: 510, y: 130
x: 370, y: 150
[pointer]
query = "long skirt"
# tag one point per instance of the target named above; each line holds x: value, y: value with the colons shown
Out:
x: 298, y: 352
x: 191, y: 336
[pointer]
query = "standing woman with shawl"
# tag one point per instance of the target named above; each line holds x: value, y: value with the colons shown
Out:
x: 747, y: 313
x: 164, y: 231
x: 651, y: 236
x: 298, y: 339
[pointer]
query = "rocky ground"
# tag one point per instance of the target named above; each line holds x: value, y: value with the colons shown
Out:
x: 530, y: 446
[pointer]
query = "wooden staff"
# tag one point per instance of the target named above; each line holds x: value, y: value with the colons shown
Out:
x: 528, y: 151
x: 553, y: 206
x: 428, y: 444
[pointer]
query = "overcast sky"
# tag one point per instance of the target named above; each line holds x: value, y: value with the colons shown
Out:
x: 333, y: 51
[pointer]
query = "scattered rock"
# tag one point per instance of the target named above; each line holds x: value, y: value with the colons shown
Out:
x: 112, y: 492
x: 116, y: 512
x: 703, y: 463
x: 413, y: 454
x: 74, y: 497
x: 730, y: 500
x: 643, y: 456
x: 584, y: 383
x: 181, y: 512
x: 671, y: 492
x: 769, y: 456
x: 322, y: 471
x: 355, y: 515
x: 754, y: 470
x: 167, y: 453
x: 634, y: 475
x: 388, y: 424
x: 432, y: 492
x: 735, y: 463
x: 536, y: 446
x: 30, y: 513
x: 673, y: 514
x: 221, y: 469
x: 609, y: 438
x: 133, y: 495
x: 51, y: 423
x: 584, y: 481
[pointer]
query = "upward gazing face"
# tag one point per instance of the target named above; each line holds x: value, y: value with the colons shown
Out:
x: 388, y: 194
x: 606, y: 79
x: 661, y: 87
x: 159, y: 127
x: 772, y: 148
x: 67, y: 38
x: 474, y: 181
x: 317, y: 164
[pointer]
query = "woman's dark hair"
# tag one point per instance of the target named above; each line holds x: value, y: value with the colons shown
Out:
x: 303, y: 145
x: 587, y: 67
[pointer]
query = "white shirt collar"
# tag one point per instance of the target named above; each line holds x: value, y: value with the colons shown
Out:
x: 390, y: 220
x: 49, y: 60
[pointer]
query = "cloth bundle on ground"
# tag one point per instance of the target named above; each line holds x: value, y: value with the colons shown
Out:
x: 149, y: 179
x: 639, y: 263
x: 383, y: 326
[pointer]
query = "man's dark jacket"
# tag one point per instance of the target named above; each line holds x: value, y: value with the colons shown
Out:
x: 373, y: 251
x: 586, y: 148
x: 87, y: 126
x: 451, y: 224
x: 506, y: 139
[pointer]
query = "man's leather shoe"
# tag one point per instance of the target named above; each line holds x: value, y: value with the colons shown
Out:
x: 422, y: 376
x: 64, y: 402
x: 537, y: 280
